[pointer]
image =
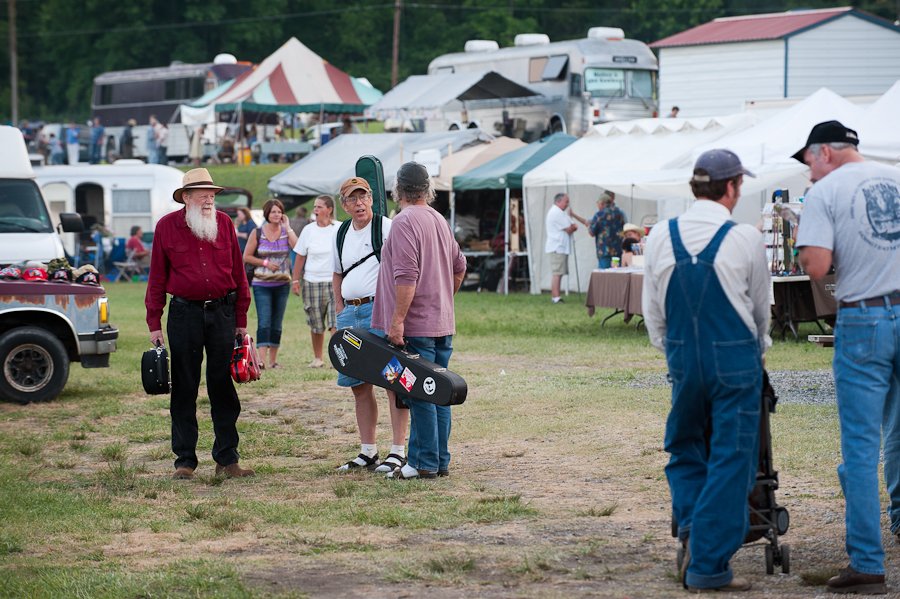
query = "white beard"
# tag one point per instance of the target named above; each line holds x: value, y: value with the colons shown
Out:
x: 203, y: 227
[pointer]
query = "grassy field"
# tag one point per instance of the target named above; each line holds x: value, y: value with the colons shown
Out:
x: 557, y: 486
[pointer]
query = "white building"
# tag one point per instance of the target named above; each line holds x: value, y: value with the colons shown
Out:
x: 715, y: 68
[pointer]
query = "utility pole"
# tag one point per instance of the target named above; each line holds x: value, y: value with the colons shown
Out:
x: 395, y: 58
x: 13, y: 64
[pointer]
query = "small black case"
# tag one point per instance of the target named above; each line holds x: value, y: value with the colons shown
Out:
x: 155, y: 371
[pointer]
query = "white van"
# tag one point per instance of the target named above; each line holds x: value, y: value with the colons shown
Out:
x: 117, y: 196
x: 26, y: 226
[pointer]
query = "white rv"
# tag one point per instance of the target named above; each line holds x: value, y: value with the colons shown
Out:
x: 117, y: 196
x: 603, y: 77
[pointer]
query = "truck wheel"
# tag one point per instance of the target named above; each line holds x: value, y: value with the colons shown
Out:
x: 35, y: 366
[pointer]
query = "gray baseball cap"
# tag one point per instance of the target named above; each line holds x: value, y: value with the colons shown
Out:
x: 413, y: 175
x: 718, y: 165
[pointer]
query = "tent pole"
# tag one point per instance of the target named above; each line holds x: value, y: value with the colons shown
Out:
x: 528, y: 236
x: 506, y: 248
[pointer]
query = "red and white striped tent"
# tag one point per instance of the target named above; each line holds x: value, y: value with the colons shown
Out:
x: 292, y: 79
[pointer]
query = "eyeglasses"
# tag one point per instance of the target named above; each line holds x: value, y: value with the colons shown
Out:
x: 357, y: 199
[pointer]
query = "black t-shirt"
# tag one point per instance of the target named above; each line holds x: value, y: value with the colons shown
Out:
x: 627, y: 243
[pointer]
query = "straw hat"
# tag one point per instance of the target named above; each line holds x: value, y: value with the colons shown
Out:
x: 632, y: 227
x: 198, y: 178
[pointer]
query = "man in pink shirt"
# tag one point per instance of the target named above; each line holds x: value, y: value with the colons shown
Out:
x: 422, y: 268
x: 196, y: 259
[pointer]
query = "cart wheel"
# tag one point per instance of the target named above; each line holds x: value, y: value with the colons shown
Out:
x: 782, y: 521
x: 786, y: 559
x: 770, y: 560
x: 679, y: 558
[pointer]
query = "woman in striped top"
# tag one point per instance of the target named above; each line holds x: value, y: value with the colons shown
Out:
x: 269, y: 251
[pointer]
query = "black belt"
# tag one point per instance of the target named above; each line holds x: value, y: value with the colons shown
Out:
x: 226, y: 300
x: 360, y: 301
x: 875, y: 302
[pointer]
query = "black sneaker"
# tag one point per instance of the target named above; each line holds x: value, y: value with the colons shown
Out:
x: 851, y: 581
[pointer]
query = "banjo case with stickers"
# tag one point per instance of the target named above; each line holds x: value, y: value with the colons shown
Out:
x: 362, y: 355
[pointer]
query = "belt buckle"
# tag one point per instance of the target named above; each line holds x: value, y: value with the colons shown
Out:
x: 208, y: 304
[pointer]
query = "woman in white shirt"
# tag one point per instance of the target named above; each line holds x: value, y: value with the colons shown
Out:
x: 312, y: 274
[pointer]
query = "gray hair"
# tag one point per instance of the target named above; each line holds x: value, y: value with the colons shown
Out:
x: 816, y: 149
x: 412, y: 194
x: 558, y: 197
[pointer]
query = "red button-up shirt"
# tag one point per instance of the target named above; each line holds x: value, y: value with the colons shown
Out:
x: 195, y: 269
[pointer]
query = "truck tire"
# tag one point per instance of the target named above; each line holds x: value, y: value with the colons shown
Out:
x: 34, y: 365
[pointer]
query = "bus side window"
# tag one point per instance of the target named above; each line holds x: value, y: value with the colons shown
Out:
x: 536, y: 69
x: 575, y: 87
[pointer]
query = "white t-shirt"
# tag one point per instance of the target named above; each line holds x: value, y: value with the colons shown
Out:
x: 317, y: 244
x: 362, y: 280
x: 558, y: 241
x: 854, y: 211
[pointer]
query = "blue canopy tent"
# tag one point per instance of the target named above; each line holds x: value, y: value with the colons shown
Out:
x: 506, y: 172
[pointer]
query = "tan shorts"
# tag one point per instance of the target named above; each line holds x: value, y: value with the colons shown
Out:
x: 318, y: 301
x: 559, y: 264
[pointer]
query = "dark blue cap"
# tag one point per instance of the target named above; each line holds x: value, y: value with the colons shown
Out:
x: 718, y: 165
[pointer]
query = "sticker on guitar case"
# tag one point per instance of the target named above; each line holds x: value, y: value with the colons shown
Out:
x: 408, y: 379
x: 392, y: 370
x: 352, y: 339
x: 340, y: 353
x: 429, y: 386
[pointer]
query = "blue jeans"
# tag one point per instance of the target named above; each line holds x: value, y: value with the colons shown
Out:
x: 867, y: 381
x: 355, y: 316
x: 271, y: 303
x: 429, y: 427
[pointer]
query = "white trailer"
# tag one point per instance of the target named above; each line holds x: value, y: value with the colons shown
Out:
x: 583, y: 82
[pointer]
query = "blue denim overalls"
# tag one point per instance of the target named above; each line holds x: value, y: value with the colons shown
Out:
x: 716, y: 368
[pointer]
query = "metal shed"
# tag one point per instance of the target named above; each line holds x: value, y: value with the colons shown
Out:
x: 715, y: 68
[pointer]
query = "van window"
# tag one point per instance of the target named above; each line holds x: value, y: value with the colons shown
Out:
x: 605, y: 83
x: 536, y: 69
x: 22, y: 208
x: 555, y: 68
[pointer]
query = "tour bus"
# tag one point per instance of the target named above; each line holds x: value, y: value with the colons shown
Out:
x: 582, y: 82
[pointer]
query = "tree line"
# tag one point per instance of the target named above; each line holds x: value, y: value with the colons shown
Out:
x: 64, y: 44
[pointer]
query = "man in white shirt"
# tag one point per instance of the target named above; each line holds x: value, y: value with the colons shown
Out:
x: 559, y: 227
x: 356, y: 263
x: 706, y: 305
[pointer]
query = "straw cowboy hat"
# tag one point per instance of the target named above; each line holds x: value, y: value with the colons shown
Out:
x: 632, y: 227
x: 198, y: 178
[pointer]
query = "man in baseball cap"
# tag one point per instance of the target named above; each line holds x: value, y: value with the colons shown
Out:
x: 827, y: 132
x: 352, y: 184
x: 706, y: 288
x: 851, y: 220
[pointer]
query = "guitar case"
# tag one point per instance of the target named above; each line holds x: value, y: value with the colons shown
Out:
x: 362, y: 355
x: 369, y: 168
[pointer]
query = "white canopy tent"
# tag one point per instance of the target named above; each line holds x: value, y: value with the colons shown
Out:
x: 646, y: 162
x: 879, y: 129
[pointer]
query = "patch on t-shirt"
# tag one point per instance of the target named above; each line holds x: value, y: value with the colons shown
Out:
x: 877, y: 200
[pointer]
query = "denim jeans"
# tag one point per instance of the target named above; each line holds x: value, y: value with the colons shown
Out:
x: 429, y: 428
x: 271, y: 303
x: 867, y: 381
x: 354, y: 316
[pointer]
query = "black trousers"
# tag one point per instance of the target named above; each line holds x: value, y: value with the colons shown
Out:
x: 192, y: 329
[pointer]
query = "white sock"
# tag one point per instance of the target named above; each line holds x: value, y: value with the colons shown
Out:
x: 400, y: 450
x: 369, y: 449
x: 556, y: 300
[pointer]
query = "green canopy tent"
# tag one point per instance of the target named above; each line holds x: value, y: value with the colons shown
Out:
x: 506, y: 172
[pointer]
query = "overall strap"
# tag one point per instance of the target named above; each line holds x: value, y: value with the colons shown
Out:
x: 681, y: 253
x: 341, y: 235
x: 709, y: 252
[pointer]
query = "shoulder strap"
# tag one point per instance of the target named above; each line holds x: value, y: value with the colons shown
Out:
x: 341, y: 235
x: 710, y: 251
x: 677, y: 246
x: 377, y: 237
x: 258, y: 233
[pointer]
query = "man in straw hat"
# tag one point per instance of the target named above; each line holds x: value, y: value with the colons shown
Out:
x: 196, y: 259
x: 706, y: 305
x: 851, y: 220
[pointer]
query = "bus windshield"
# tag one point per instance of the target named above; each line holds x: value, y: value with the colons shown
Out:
x: 614, y: 83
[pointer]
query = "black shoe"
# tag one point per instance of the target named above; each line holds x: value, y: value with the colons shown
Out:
x: 851, y: 581
x: 443, y: 473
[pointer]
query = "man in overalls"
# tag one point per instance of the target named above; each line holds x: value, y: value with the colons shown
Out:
x: 706, y: 305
